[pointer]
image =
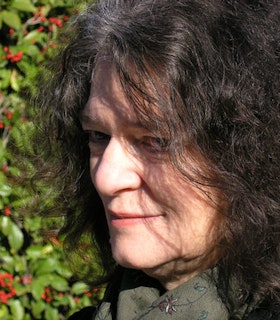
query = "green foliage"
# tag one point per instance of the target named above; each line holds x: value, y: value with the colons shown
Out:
x: 35, y: 279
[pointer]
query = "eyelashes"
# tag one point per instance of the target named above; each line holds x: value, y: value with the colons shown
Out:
x: 142, y: 145
x: 98, y: 137
x: 154, y: 144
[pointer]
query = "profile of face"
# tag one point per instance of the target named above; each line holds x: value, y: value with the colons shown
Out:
x: 158, y: 222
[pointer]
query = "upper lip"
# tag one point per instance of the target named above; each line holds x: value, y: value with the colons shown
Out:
x: 126, y: 215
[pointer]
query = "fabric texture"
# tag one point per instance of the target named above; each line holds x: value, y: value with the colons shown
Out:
x: 135, y: 296
x: 142, y: 298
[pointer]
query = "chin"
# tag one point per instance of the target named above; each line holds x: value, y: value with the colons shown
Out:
x: 134, y: 261
x: 129, y: 262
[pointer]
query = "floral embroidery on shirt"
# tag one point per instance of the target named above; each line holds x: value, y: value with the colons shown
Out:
x: 167, y: 305
x: 199, y: 288
x: 170, y: 305
x: 203, y: 315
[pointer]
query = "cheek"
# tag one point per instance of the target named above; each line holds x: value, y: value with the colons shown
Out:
x: 93, y: 168
x: 195, y: 209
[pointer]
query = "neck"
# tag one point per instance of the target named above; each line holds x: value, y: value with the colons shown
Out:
x: 175, y: 273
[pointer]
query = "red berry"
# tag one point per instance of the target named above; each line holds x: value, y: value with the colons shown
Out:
x: 7, y: 211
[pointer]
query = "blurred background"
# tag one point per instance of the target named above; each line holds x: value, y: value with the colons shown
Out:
x: 35, y: 279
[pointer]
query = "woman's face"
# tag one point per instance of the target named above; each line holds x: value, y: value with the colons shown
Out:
x: 158, y: 222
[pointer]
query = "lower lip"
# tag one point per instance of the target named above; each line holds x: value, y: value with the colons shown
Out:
x: 126, y: 222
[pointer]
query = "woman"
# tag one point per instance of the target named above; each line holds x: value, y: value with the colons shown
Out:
x: 171, y: 109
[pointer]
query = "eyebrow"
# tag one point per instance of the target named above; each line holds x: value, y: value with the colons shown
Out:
x: 91, y: 120
x: 85, y: 118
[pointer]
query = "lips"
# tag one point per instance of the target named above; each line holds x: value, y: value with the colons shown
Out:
x: 127, y: 219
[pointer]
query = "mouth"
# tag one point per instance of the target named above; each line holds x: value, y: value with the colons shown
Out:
x: 125, y: 220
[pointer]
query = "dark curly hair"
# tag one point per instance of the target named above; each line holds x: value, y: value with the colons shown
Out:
x: 212, y: 69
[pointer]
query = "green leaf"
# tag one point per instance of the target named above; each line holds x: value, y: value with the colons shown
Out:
x: 79, y: 288
x: 15, y: 80
x: 16, y: 309
x: 15, y: 237
x: 3, y: 311
x: 5, y: 190
x: 46, y: 266
x: 51, y: 313
x: 5, y: 225
x: 2, y: 156
x: 36, y: 36
x: 24, y: 5
x: 38, y: 287
x: 34, y: 252
x: 7, y: 263
x: 22, y: 291
x: 46, y: 9
x: 11, y: 19
x: 33, y: 224
x: 19, y: 264
x: 5, y: 78
x: 59, y: 283
x: 37, y: 308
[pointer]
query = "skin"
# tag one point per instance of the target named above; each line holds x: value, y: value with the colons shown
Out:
x: 158, y: 222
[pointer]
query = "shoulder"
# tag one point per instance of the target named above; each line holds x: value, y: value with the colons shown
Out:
x: 111, y: 296
x: 85, y: 314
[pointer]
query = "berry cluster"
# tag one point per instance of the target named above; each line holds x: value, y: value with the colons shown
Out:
x: 7, y: 290
x: 12, y: 57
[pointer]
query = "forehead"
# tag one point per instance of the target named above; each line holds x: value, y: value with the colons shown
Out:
x: 105, y: 83
x: 140, y: 100
x: 107, y: 97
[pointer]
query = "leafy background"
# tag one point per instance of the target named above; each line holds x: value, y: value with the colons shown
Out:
x: 35, y: 279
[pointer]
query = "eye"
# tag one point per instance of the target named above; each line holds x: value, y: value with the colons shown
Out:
x: 154, y: 144
x: 97, y: 137
x: 97, y: 142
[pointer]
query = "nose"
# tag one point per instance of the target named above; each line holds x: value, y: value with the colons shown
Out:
x: 116, y: 170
